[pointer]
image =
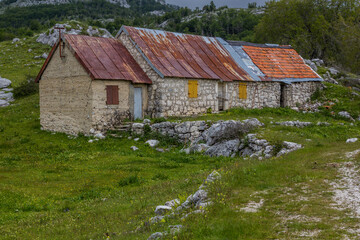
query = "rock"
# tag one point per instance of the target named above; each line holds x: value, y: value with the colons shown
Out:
x: 44, y: 55
x: 134, y: 148
x: 226, y: 148
x: 4, y: 103
x: 198, y: 148
x: 99, y: 136
x: 7, y: 96
x: 160, y: 150
x: 136, y: 139
x: 4, y: 83
x: 29, y: 50
x: 185, y: 150
x: 152, y: 143
x: 156, y: 219
x: 215, y: 175
x: 323, y: 124
x: 92, y: 131
x: 352, y: 140
x: 253, y: 122
x: 137, y: 128
x: 345, y: 114
x: 162, y: 209
x: 289, y: 147
x: 172, y: 203
x: 146, y: 121
x: 223, y: 130
x: 91, y: 141
x: 296, y: 123
x: 157, y: 235
x: 15, y: 40
x: 333, y: 71
x: 174, y: 229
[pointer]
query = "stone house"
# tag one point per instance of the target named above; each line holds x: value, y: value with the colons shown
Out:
x: 95, y: 83
x: 90, y: 83
x: 282, y: 79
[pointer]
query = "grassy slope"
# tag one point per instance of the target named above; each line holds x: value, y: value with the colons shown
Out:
x: 56, y: 187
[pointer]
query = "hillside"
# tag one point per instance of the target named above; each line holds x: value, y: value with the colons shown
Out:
x: 55, y: 186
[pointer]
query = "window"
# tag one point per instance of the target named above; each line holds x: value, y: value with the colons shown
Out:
x: 112, y: 95
x: 242, y: 90
x: 193, y: 89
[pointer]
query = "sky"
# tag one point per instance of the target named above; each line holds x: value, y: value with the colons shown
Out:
x: 200, y: 3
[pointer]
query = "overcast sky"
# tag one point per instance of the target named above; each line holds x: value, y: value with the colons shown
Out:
x: 218, y: 3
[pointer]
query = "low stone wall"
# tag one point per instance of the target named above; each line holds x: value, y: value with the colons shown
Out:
x: 259, y: 95
x: 299, y: 93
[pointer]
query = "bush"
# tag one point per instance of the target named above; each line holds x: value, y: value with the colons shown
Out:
x: 131, y: 180
x: 26, y: 88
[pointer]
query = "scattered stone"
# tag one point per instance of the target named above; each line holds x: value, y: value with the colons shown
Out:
x: 352, y: 140
x: 4, y: 83
x: 99, y: 136
x: 255, y: 148
x: 162, y: 209
x: 44, y: 55
x: 198, y: 148
x: 156, y: 219
x: 137, y: 128
x: 15, y: 40
x: 136, y: 139
x: 323, y: 124
x: 333, y: 71
x: 160, y: 150
x: 253, y: 207
x: 174, y: 229
x: 91, y: 141
x: 172, y: 203
x: 296, y: 123
x: 289, y: 147
x: 345, y: 114
x: 157, y: 235
x: 147, y: 121
x: 134, y: 148
x: 352, y: 154
x: 29, y: 50
x: 152, y: 143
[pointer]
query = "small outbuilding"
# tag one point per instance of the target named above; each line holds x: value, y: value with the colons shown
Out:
x: 90, y: 83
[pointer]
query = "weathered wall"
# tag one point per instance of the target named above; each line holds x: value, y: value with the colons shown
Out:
x: 169, y: 96
x: 299, y: 93
x: 65, y: 90
x: 259, y: 95
x: 106, y: 116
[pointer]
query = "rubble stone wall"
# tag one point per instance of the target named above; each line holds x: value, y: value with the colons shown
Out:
x: 259, y: 95
x: 299, y: 93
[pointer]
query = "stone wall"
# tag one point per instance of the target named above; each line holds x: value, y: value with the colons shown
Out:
x: 299, y: 93
x: 107, y: 116
x: 65, y: 92
x: 259, y: 95
x: 169, y: 96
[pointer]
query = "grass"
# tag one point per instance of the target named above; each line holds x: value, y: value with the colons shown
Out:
x: 54, y: 186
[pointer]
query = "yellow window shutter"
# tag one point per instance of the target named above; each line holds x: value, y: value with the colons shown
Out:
x: 193, y: 86
x: 242, y: 90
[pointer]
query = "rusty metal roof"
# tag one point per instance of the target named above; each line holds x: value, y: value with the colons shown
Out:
x: 185, y: 56
x: 103, y: 59
x: 270, y: 62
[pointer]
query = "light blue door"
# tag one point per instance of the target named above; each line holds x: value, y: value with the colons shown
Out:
x: 138, y: 103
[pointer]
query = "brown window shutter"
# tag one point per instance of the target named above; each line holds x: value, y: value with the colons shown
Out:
x: 115, y: 95
x: 112, y: 95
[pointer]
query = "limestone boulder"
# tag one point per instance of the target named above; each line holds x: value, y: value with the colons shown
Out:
x: 4, y: 83
x: 226, y: 149
x: 352, y: 140
x: 289, y: 147
x: 152, y: 143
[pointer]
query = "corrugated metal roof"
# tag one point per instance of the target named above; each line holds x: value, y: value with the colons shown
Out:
x: 185, y: 56
x: 104, y: 59
x: 271, y: 62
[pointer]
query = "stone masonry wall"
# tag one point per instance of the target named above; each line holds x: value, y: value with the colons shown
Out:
x: 259, y: 95
x: 299, y: 93
x: 169, y: 96
x: 65, y: 91
x: 106, y: 116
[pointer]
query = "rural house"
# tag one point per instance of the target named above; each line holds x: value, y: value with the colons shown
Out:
x: 90, y: 82
x: 95, y: 83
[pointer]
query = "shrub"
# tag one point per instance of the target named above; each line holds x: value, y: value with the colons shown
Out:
x: 26, y: 88
x: 130, y: 180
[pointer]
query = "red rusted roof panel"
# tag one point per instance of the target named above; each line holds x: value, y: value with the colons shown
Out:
x: 106, y: 59
x: 186, y: 56
x: 279, y: 62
